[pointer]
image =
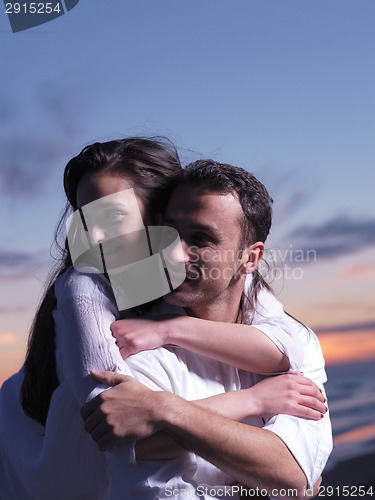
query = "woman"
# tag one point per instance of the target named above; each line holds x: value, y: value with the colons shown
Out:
x: 49, y: 455
x: 49, y: 396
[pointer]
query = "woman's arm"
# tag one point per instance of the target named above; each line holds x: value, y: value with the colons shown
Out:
x: 243, y: 346
x: 83, y: 341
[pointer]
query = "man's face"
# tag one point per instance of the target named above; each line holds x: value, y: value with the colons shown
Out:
x: 209, y: 227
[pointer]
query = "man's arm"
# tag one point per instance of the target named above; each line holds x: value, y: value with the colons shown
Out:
x: 286, y: 394
x: 252, y: 456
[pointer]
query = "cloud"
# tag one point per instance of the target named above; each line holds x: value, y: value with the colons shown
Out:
x: 354, y: 272
x: 364, y: 326
x: 20, y: 265
x: 289, y: 189
x: 7, y: 339
x: 291, y: 205
x: 351, y: 347
x: 338, y: 236
x: 28, y: 160
x: 12, y: 355
x: 14, y: 258
x: 25, y: 168
x: 14, y: 309
x: 341, y: 226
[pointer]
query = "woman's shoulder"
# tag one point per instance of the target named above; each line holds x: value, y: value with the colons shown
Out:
x: 73, y: 283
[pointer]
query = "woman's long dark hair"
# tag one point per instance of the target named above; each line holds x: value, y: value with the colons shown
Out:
x: 152, y: 167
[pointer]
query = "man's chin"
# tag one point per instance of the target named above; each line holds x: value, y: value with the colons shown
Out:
x: 180, y: 297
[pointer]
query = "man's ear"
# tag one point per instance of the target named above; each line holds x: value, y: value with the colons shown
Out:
x: 251, y: 257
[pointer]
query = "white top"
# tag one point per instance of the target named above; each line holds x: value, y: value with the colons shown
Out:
x: 33, y: 457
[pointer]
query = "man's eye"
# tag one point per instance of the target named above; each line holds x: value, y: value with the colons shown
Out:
x: 202, y: 239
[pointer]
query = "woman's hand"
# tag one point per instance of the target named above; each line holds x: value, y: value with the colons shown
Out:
x: 141, y: 334
x: 287, y: 394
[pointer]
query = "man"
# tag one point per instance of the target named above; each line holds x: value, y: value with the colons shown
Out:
x: 223, y: 215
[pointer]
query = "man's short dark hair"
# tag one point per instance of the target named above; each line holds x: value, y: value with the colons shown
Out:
x: 254, y: 198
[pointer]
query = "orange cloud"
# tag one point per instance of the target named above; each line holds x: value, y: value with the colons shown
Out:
x: 355, y: 435
x: 346, y: 347
x: 355, y: 272
x: 7, y: 338
x: 12, y: 355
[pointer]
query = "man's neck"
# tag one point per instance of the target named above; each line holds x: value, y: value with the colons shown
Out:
x: 226, y: 311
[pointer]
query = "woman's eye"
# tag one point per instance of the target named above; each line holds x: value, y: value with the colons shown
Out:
x: 115, y: 215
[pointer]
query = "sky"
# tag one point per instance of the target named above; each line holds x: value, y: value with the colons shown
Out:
x: 284, y: 89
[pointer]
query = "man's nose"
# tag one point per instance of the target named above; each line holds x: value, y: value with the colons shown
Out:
x: 180, y: 252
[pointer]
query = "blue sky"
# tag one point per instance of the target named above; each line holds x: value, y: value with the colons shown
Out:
x: 282, y: 88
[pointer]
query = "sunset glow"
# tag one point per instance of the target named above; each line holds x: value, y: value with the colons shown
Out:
x: 345, y: 347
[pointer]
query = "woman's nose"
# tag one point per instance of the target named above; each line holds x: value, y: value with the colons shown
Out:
x: 97, y: 234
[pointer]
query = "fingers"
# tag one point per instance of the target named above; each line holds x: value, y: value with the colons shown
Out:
x: 132, y: 343
x: 115, y: 327
x: 109, y: 378
x: 308, y: 413
x: 92, y: 421
x: 313, y: 403
x: 305, y: 398
x: 105, y: 442
x: 103, y: 436
x: 307, y: 386
x: 120, y: 340
x: 311, y: 390
x: 100, y: 430
x: 305, y: 409
x: 118, y: 329
x: 90, y: 407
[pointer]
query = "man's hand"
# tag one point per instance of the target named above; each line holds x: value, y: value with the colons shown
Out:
x: 126, y: 412
x: 141, y: 334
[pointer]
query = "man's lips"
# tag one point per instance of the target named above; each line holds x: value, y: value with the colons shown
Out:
x: 192, y: 273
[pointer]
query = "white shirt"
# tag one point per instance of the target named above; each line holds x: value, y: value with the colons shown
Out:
x: 32, y: 463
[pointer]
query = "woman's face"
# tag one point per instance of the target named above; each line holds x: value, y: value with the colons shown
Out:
x: 114, y: 216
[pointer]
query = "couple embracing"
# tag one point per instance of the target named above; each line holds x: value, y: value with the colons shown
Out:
x: 194, y: 395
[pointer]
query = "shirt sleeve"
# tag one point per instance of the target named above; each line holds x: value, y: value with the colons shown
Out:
x: 83, y: 337
x: 84, y: 342
x: 310, y: 441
